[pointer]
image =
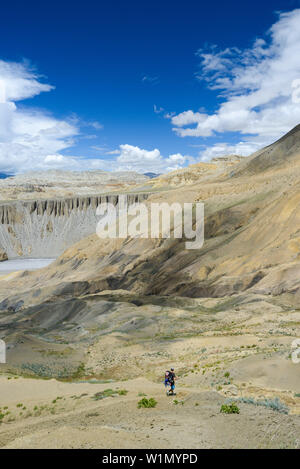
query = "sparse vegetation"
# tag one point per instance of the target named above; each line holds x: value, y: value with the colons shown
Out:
x: 273, y: 404
x: 230, y: 408
x: 176, y: 402
x: 80, y: 372
x: 109, y: 393
x: 147, y: 403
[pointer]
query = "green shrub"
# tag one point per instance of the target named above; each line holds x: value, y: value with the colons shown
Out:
x: 147, y: 403
x: 230, y: 409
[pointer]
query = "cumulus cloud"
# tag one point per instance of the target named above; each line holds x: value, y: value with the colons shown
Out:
x: 29, y: 138
x: 126, y: 158
x: 257, y: 86
x: 138, y: 159
x: 221, y: 149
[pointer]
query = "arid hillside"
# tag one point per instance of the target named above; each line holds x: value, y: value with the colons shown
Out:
x: 226, y: 315
x: 252, y: 241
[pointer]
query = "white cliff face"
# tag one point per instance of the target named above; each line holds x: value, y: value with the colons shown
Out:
x: 45, y: 228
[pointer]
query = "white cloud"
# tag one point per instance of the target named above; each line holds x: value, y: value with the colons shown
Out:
x: 256, y: 86
x: 29, y: 139
x: 18, y: 81
x: 96, y: 125
x: 133, y: 158
x: 126, y: 158
x: 221, y: 149
x: 150, y: 79
x: 133, y: 155
x: 188, y: 118
x: 177, y: 158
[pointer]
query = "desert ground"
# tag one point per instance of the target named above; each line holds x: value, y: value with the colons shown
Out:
x: 67, y: 416
x: 92, y: 334
x: 239, y: 355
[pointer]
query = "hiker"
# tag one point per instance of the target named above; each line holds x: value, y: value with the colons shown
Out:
x: 170, y: 378
x: 167, y: 379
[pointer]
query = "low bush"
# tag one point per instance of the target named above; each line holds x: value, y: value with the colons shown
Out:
x: 147, y: 403
x: 230, y: 408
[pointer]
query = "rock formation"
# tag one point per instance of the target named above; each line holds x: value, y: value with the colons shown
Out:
x: 45, y: 228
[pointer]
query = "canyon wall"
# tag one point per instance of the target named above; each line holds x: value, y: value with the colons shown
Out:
x: 45, y: 228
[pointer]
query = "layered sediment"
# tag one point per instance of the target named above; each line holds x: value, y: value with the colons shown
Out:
x: 45, y: 228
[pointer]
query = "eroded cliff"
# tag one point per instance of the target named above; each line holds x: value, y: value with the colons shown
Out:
x: 45, y: 228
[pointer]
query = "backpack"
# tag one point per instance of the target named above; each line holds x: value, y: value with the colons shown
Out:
x: 169, y: 376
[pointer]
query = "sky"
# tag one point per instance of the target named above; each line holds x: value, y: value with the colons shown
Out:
x: 144, y: 86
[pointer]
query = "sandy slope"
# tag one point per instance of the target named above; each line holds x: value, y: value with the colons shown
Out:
x: 118, y: 423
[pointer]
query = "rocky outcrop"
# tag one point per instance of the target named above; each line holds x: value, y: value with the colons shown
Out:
x: 45, y: 228
x: 3, y: 255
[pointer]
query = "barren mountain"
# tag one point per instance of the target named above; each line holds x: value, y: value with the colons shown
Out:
x: 119, y: 309
x: 193, y: 173
x: 283, y: 153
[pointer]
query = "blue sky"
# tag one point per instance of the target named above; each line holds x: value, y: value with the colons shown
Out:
x: 144, y: 86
